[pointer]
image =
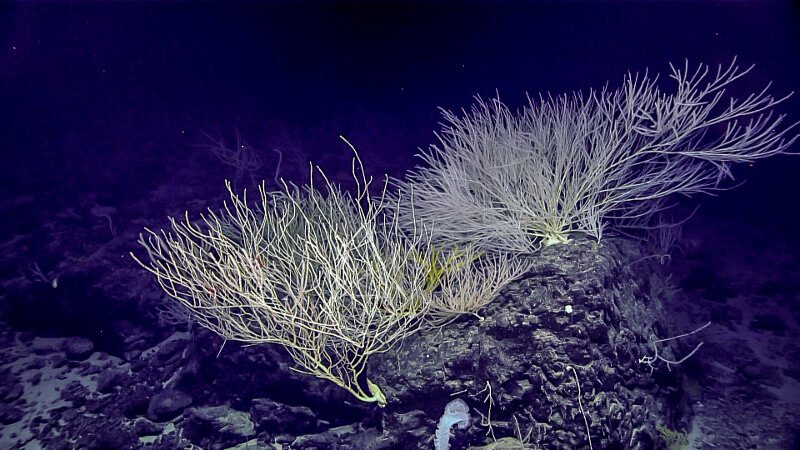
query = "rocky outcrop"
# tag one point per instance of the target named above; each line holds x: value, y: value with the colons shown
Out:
x: 556, y: 353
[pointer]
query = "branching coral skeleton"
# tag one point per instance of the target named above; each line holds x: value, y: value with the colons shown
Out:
x: 649, y: 360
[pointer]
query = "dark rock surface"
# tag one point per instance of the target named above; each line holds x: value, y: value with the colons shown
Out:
x: 516, y: 365
x: 78, y: 348
x: 582, y: 306
x: 218, y: 426
x: 167, y: 405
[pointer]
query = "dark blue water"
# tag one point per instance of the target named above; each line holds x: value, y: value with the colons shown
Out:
x: 82, y: 80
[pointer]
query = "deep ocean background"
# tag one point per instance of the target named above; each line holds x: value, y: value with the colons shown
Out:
x: 95, y: 94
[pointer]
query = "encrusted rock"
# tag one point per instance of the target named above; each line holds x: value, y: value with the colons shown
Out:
x: 167, y: 405
x: 78, y: 348
x: 230, y: 427
x: 557, y: 350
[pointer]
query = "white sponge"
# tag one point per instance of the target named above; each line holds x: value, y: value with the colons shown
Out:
x: 455, y: 413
